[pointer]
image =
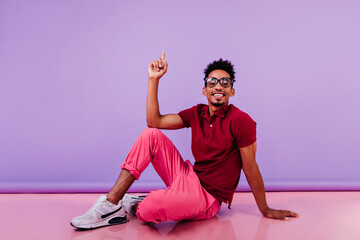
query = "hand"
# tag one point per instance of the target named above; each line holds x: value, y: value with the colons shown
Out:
x: 158, y: 67
x: 279, y: 214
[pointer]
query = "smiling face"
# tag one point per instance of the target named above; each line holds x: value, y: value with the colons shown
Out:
x: 218, y: 96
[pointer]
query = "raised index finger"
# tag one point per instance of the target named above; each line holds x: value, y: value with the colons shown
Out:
x: 163, y: 55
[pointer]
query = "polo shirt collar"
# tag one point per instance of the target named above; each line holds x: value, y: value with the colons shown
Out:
x: 220, y: 113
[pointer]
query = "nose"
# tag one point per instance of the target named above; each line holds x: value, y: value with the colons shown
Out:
x: 218, y: 86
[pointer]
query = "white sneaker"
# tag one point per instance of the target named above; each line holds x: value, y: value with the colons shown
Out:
x: 129, y: 201
x: 102, y: 213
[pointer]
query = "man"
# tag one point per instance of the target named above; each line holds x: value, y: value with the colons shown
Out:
x: 223, y: 143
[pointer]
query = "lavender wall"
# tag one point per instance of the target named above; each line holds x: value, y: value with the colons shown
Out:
x: 73, y: 78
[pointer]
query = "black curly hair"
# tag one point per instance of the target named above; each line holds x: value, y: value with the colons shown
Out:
x: 221, y: 64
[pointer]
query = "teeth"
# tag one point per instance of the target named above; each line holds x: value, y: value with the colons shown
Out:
x: 218, y: 95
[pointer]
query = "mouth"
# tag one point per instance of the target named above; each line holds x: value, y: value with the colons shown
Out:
x: 218, y: 95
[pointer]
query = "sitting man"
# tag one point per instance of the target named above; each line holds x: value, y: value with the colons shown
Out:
x: 223, y: 143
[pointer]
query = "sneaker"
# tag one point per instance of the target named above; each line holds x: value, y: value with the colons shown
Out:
x: 102, y: 213
x: 129, y: 201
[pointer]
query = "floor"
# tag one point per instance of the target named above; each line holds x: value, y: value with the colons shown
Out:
x: 323, y: 215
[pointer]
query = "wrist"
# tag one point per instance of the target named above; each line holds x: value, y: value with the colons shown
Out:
x: 154, y: 78
x: 264, y: 210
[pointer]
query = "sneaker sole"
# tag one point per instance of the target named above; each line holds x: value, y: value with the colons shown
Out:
x: 104, y: 223
x: 134, y: 198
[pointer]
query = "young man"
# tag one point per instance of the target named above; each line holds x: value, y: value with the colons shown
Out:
x: 223, y: 143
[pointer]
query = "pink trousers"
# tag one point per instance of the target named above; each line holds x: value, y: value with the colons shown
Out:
x: 184, y: 198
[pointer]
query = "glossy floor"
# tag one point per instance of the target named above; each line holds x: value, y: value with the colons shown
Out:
x: 323, y: 215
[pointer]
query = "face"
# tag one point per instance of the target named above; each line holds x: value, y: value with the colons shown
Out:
x: 218, y: 96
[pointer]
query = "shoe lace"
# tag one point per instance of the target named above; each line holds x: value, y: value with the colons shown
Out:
x: 97, y: 206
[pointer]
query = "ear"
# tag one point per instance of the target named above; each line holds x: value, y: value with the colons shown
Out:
x: 204, y: 91
x: 232, y: 92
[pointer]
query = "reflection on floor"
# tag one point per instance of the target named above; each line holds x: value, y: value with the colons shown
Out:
x: 323, y: 215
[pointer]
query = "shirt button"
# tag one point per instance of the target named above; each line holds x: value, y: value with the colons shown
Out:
x: 210, y: 125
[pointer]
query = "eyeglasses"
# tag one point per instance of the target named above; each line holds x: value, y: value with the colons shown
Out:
x: 224, y: 82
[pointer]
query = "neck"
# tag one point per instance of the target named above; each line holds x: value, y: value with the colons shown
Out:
x: 213, y: 109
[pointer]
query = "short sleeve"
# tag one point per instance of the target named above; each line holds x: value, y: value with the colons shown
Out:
x: 186, y: 115
x: 244, y: 130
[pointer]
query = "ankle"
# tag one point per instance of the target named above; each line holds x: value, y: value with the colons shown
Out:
x: 112, y: 199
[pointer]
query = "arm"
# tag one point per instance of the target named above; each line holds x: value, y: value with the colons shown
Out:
x: 154, y: 119
x: 256, y: 184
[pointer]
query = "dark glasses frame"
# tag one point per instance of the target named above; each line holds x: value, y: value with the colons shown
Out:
x: 221, y: 81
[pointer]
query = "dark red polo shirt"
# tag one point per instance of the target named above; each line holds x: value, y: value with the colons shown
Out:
x: 215, y: 145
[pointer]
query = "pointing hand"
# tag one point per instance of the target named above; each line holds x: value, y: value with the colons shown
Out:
x: 158, y: 67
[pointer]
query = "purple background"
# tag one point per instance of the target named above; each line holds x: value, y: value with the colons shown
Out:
x: 73, y: 80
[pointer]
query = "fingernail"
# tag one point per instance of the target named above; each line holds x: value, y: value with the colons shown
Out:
x: 286, y: 219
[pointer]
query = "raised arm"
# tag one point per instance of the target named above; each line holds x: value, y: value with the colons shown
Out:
x: 154, y: 119
x: 256, y: 184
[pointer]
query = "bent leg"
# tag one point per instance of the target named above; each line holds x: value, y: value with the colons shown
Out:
x: 151, y: 146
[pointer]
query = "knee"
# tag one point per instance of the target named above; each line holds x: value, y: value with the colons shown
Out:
x: 151, y: 132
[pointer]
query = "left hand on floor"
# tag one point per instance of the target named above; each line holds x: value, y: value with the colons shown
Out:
x: 279, y: 214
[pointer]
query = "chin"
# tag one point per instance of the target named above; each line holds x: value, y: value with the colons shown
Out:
x: 217, y: 104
